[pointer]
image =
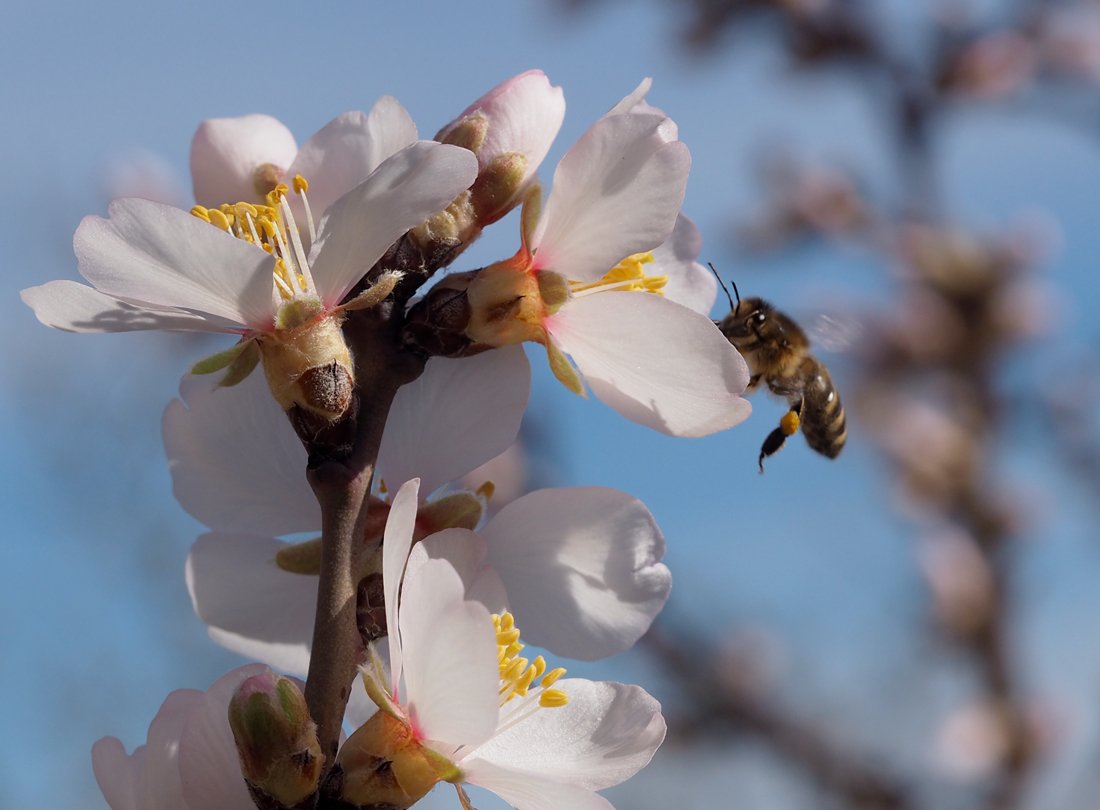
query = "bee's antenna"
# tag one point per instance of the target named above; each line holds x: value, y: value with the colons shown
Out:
x: 725, y: 290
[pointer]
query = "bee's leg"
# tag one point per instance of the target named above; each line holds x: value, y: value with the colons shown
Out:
x: 788, y: 426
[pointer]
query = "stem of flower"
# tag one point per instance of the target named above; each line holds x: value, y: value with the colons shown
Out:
x: 342, y: 487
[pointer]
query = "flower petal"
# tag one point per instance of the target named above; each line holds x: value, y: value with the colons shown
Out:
x: 465, y: 551
x: 120, y: 776
x: 146, y: 252
x: 615, y: 193
x: 236, y: 463
x: 605, y: 734
x: 252, y: 606
x: 455, y: 417
x: 689, y: 283
x: 655, y: 362
x: 210, y: 770
x: 162, y: 772
x: 403, y: 192
x: 582, y: 568
x: 531, y: 791
x: 396, y: 542
x: 348, y: 148
x: 450, y: 656
x: 76, y: 307
x: 636, y: 103
x: 225, y: 153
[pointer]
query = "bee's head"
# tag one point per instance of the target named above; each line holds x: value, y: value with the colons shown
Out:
x: 749, y: 318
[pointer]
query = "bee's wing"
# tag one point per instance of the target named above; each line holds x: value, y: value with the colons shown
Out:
x: 835, y: 332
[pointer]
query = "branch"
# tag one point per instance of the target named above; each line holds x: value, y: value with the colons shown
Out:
x: 342, y: 486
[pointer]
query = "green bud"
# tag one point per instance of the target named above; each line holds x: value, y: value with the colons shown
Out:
x: 498, y: 187
x: 276, y: 738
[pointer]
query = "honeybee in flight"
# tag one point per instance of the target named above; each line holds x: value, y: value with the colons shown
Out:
x: 778, y: 355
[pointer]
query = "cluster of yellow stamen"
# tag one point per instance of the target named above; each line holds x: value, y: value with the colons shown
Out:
x: 629, y: 274
x: 518, y: 676
x: 270, y: 226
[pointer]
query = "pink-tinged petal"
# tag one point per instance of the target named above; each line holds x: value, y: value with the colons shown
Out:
x: 120, y: 776
x: 689, y: 283
x: 226, y: 152
x: 210, y: 770
x: 236, y: 463
x: 603, y: 736
x: 162, y: 773
x: 455, y: 417
x: 153, y: 253
x: 408, y: 188
x: 582, y: 567
x: 76, y: 307
x: 252, y: 606
x: 531, y: 791
x: 347, y: 149
x: 396, y: 541
x: 465, y: 551
x: 524, y: 114
x: 655, y: 362
x: 450, y: 656
x: 615, y: 193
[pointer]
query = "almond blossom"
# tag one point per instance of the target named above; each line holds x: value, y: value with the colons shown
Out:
x: 614, y: 203
x: 246, y: 157
x: 189, y: 760
x: 460, y: 704
x: 586, y: 559
x: 152, y: 266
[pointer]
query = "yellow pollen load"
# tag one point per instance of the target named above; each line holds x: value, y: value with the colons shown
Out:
x: 518, y: 676
x: 627, y: 275
x: 265, y: 226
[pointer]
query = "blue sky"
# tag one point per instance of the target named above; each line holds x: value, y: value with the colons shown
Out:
x: 98, y: 623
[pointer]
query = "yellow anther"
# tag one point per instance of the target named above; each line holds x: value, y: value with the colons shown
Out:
x: 512, y: 670
x: 628, y: 274
x: 505, y: 621
x: 524, y: 682
x: 513, y: 649
x: 486, y: 491
x: 538, y: 666
x: 552, y: 676
x: 280, y: 191
x: 201, y: 212
x: 218, y: 219
x: 553, y: 699
x: 300, y: 184
x: 507, y: 637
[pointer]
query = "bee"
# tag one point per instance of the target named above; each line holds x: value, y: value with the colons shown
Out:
x: 778, y: 355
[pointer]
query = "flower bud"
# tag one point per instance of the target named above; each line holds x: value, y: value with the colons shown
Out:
x: 499, y: 187
x: 276, y: 738
x: 384, y: 765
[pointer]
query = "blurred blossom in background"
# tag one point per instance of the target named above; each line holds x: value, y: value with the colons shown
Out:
x: 912, y: 625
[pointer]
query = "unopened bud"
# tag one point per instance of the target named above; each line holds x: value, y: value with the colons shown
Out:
x: 499, y: 187
x: 383, y: 765
x: 446, y: 234
x: 276, y: 738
